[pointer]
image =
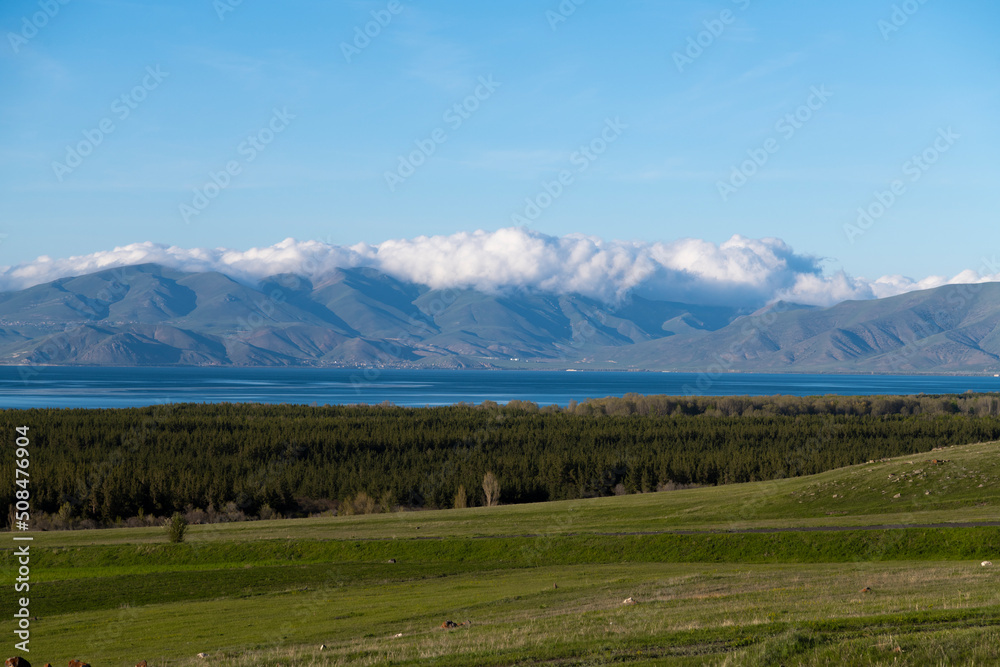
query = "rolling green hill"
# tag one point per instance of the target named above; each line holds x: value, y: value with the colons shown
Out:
x: 547, y: 583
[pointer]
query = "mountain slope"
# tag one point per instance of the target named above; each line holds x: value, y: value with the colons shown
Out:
x: 954, y: 328
x: 151, y: 315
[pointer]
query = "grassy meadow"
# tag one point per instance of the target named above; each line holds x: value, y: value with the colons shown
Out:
x: 546, y: 583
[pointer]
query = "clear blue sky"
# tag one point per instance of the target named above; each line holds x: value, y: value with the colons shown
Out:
x: 323, y: 176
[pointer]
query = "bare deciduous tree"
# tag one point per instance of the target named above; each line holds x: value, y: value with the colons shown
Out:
x: 491, y: 487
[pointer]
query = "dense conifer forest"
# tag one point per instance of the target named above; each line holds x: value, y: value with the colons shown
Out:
x: 237, y: 461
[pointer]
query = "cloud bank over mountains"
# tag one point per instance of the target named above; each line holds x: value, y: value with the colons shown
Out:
x: 739, y: 272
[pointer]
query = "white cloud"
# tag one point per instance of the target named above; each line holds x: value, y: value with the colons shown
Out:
x: 741, y: 271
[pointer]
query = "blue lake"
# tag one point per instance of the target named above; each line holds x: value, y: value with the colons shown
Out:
x: 75, y: 387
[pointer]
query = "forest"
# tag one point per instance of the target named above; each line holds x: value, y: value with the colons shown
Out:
x: 226, y: 462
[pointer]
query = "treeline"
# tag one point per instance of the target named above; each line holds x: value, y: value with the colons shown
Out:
x: 733, y: 406
x: 233, y: 461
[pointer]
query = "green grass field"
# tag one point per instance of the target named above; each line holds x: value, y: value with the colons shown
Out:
x: 545, y: 583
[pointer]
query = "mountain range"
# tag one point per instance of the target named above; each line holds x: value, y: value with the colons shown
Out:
x: 152, y: 315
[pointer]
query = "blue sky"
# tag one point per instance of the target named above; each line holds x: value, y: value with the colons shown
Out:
x: 191, y: 89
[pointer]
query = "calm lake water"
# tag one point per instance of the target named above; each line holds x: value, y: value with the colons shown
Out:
x: 125, y: 387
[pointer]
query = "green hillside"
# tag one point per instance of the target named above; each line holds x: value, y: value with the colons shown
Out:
x: 545, y: 583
